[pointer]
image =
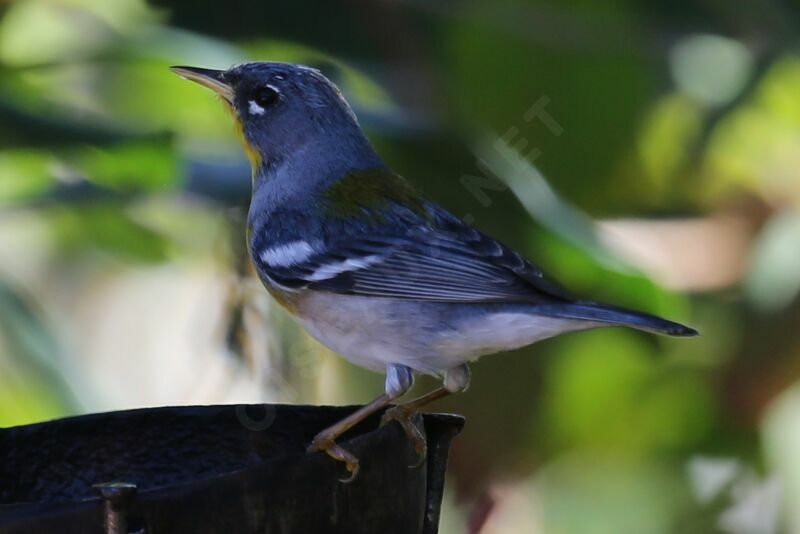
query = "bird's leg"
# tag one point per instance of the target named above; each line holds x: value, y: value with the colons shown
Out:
x: 402, y: 413
x: 455, y: 380
x: 326, y: 440
x: 399, y: 379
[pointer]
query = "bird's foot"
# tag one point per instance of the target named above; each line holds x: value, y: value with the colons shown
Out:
x: 324, y: 442
x: 403, y: 414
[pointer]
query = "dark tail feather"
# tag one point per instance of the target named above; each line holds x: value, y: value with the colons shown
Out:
x: 608, y: 314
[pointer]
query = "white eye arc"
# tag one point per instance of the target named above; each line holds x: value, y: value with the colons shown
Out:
x: 263, y: 98
x: 254, y: 108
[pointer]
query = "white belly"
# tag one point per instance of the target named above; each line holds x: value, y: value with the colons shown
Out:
x: 360, y: 330
x: 499, y: 332
x: 427, y: 337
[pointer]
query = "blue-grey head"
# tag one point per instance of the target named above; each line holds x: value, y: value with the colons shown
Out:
x: 289, y: 115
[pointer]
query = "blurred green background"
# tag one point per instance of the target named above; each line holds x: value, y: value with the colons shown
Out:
x: 644, y: 153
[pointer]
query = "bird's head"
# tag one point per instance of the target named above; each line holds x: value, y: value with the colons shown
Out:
x: 280, y: 108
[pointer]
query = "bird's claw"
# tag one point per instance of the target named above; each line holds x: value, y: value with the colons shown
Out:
x: 338, y: 453
x: 403, y: 416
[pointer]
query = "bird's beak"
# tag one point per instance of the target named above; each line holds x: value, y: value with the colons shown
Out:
x: 213, y: 79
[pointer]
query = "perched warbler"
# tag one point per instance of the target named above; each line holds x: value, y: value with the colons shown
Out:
x: 386, y: 278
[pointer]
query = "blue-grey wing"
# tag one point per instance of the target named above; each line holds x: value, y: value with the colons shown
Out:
x: 443, y: 260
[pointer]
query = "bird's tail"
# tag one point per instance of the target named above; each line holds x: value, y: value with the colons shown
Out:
x: 589, y: 311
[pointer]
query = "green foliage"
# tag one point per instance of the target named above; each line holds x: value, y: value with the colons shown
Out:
x: 24, y: 174
x: 35, y: 386
x: 640, y: 407
x: 111, y: 229
x: 131, y: 166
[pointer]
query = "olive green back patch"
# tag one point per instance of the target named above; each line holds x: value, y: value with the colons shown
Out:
x: 364, y: 194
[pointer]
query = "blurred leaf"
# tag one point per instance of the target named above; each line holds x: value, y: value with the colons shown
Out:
x: 592, y: 388
x: 109, y: 227
x: 677, y: 410
x: 572, y: 250
x: 604, y: 389
x: 580, y: 272
x: 710, y: 68
x: 757, y: 147
x: 669, y: 130
x: 23, y: 174
x: 144, y: 93
x: 37, y: 382
x: 592, y: 91
x: 781, y: 429
x: 117, y: 233
x: 131, y: 166
x: 590, y: 493
x: 773, y: 281
x: 62, y: 31
x: 25, y: 399
x: 530, y: 186
x: 65, y: 29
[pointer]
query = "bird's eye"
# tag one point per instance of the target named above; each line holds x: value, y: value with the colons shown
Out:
x: 266, y: 96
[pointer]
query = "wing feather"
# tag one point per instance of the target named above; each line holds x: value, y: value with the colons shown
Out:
x: 427, y: 265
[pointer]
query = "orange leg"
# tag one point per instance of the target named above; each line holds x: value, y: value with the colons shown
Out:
x: 399, y: 379
x: 326, y: 440
x: 402, y: 413
x: 455, y: 380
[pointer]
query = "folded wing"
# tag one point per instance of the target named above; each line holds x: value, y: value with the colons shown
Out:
x: 449, y: 262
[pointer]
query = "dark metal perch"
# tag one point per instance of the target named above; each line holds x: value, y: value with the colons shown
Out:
x: 229, y: 469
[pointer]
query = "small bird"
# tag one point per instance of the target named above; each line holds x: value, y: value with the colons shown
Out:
x: 373, y: 270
